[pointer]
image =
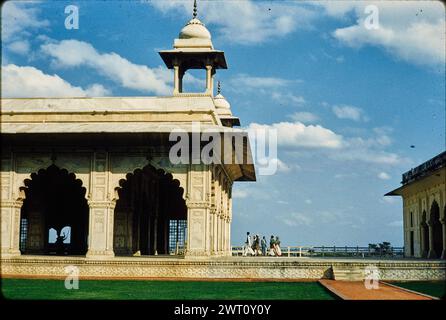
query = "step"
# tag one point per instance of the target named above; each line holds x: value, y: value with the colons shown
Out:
x: 348, y: 274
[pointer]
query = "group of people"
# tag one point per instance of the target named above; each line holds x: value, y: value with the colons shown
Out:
x: 255, y: 246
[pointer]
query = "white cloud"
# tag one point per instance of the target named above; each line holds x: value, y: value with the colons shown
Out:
x: 282, y: 166
x: 97, y: 90
x: 19, y: 82
x: 411, y: 31
x: 19, y: 46
x: 348, y: 112
x: 274, y: 88
x: 308, y: 201
x: 332, y: 217
x: 371, y: 150
x: 246, y: 22
x: 297, y: 134
x: 239, y: 193
x: 368, y: 155
x: 74, y: 53
x: 18, y: 20
x: 383, y: 176
x: 252, y: 82
x: 287, y: 98
x: 304, y: 117
x: 397, y: 223
x: 345, y: 175
x: 388, y: 200
x: 297, y: 219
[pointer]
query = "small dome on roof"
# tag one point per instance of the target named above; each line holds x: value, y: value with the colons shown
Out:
x: 195, y: 29
x: 222, y: 105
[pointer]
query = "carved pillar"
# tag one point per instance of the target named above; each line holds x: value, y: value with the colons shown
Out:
x: 198, y: 212
x: 176, y: 79
x: 209, y: 79
x: 102, y: 206
x: 423, y: 251
x: 443, y: 229
x: 223, y: 217
x: 431, y: 254
x: 229, y: 237
x: 10, y: 227
x: 100, y: 240
x: 10, y: 205
x: 214, y: 231
x: 229, y: 217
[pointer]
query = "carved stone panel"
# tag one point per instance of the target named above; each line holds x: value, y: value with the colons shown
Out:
x: 197, y: 229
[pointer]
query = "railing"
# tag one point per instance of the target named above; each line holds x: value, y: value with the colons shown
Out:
x: 332, y: 251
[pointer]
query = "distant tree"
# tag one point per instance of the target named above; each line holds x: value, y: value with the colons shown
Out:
x: 385, y: 248
x: 373, y: 248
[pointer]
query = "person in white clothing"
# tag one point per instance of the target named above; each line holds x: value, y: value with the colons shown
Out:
x: 248, y: 246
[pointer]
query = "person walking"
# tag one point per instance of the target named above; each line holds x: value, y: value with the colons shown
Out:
x: 257, y: 251
x: 277, y: 249
x: 248, y: 245
x: 263, y: 245
x: 272, y: 242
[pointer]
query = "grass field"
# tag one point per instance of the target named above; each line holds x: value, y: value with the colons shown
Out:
x: 432, y: 288
x: 163, y: 290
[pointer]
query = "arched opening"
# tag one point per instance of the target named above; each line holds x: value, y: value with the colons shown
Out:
x: 424, y: 235
x: 411, y: 235
x: 150, y: 215
x: 437, y: 231
x: 411, y: 244
x: 54, y: 214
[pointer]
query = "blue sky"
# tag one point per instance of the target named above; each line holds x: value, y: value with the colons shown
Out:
x: 347, y: 101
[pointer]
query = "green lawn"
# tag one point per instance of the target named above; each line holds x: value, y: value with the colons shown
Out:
x: 432, y: 288
x: 163, y: 290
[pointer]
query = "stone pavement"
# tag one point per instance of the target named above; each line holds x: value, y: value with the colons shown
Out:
x: 356, y: 290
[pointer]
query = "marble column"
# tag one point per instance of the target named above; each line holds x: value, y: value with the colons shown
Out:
x: 10, y: 227
x: 214, y: 231
x: 423, y: 252
x: 431, y: 254
x: 443, y: 227
x: 229, y: 237
x: 100, y: 236
x: 209, y: 79
x: 176, y: 79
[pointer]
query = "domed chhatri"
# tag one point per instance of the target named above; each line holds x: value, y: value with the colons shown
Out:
x: 193, y: 49
x: 195, y: 29
x: 221, y: 104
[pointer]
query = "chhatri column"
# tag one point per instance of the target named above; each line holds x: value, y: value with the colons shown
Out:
x: 209, y: 78
x: 176, y: 79
x: 431, y: 254
x: 443, y: 227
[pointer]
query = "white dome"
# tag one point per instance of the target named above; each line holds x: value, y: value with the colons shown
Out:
x: 222, y: 105
x: 195, y: 29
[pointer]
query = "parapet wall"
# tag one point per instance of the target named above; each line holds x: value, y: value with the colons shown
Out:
x: 223, y: 268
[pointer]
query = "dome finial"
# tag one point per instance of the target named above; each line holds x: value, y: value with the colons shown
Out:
x: 218, y: 87
x: 195, y: 9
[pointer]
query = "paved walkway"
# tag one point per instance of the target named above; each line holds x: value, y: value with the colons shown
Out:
x: 356, y: 290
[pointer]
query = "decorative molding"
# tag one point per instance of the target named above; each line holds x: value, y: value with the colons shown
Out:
x: 231, y: 267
